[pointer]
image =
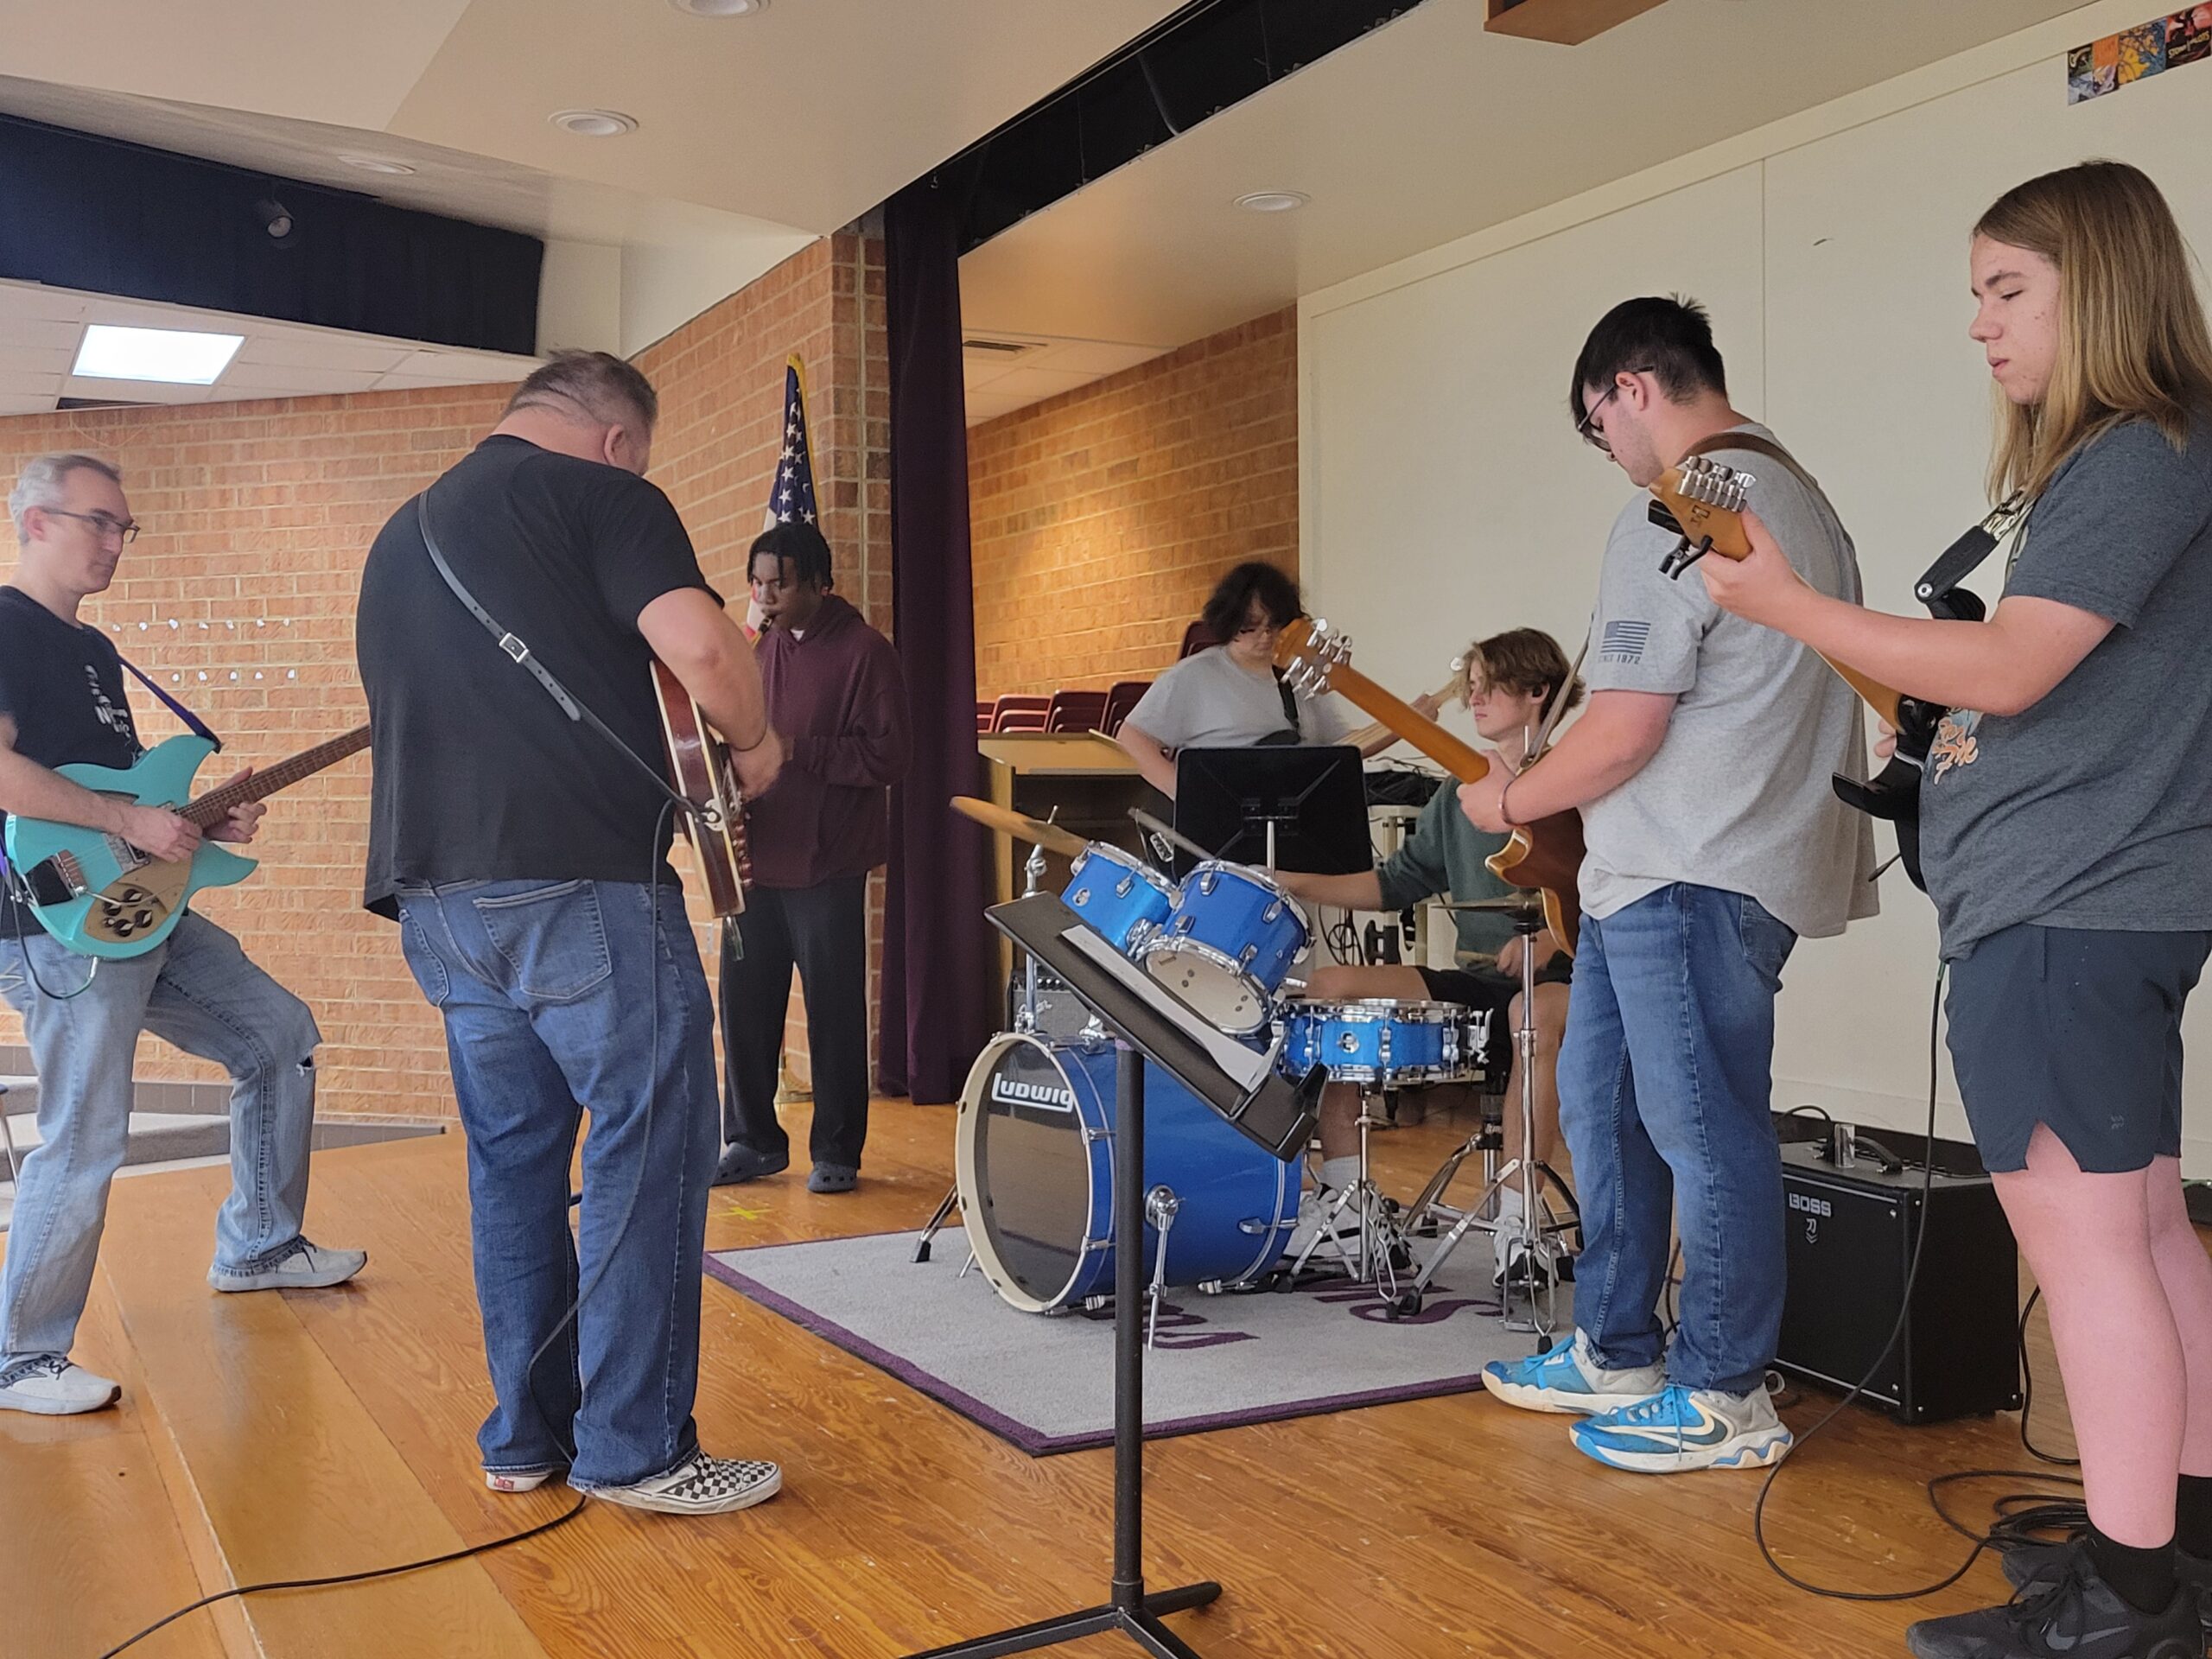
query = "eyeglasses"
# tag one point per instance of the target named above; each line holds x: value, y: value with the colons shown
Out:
x: 104, y: 524
x: 1268, y: 626
x: 1586, y: 427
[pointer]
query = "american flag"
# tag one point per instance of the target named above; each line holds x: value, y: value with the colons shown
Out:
x: 791, y: 496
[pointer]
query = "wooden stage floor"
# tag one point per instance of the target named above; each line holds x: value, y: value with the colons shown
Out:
x: 275, y: 1436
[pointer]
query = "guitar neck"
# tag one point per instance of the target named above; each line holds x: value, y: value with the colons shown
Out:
x: 215, y: 805
x: 1403, y: 720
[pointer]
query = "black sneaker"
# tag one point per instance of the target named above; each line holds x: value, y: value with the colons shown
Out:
x: 2073, y: 1614
x: 742, y: 1163
x: 2027, y: 1564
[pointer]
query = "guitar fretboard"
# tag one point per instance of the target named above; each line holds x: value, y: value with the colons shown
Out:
x: 215, y: 805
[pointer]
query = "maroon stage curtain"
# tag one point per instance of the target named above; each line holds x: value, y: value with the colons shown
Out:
x: 938, y: 952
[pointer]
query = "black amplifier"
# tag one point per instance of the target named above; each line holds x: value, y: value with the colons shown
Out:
x: 1851, y: 1233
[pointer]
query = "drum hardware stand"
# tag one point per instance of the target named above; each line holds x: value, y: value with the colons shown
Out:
x: 1382, y: 1236
x: 1532, y: 1235
x: 1025, y: 1020
x: 1159, y: 1207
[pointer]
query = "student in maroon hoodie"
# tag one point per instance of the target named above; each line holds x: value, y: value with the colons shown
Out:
x: 835, y: 691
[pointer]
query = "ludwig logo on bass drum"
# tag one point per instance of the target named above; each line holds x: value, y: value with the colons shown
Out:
x: 1012, y: 1091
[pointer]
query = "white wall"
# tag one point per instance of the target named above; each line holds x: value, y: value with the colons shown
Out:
x: 1444, y: 496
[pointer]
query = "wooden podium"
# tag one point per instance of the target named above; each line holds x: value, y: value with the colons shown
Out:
x: 1089, y: 779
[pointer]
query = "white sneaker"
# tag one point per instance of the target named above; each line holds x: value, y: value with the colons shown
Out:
x: 299, y: 1266
x: 50, y: 1386
x: 518, y: 1480
x: 700, y: 1485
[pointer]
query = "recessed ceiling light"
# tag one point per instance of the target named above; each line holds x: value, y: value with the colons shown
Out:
x: 720, y: 8
x: 593, y: 123
x: 375, y: 164
x: 173, y: 356
x: 1273, y: 201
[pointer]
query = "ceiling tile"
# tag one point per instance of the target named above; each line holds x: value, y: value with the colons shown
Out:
x: 280, y: 380
x: 33, y: 360
x: 23, y: 383
x: 322, y: 351
x: 12, y: 404
x: 132, y: 391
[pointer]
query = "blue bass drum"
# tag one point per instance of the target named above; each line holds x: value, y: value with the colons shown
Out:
x: 1119, y: 895
x: 1229, y: 945
x: 1034, y: 1161
x: 1385, y: 1042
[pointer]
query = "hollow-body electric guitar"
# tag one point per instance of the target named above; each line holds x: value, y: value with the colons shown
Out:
x: 698, y: 765
x: 1703, y: 501
x: 1545, y: 856
x: 103, y: 897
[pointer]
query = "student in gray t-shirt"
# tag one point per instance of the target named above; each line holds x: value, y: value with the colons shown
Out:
x: 2066, y: 840
x: 1228, y: 696
x: 1701, y: 770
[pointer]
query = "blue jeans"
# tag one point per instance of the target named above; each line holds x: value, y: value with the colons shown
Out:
x: 1665, y: 1084
x: 550, y: 991
x: 198, y: 992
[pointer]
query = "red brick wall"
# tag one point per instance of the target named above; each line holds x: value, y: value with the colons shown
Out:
x: 258, y: 516
x: 1102, y: 518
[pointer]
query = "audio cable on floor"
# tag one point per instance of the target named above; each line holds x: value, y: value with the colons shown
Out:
x: 2023, y: 1517
x: 530, y: 1371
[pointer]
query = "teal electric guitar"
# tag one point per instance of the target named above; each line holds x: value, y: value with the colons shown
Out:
x: 97, y: 893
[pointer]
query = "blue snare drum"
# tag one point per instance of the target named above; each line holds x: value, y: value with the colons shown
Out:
x: 1034, y: 1160
x: 1229, y: 945
x: 1117, y: 894
x: 1377, y: 1041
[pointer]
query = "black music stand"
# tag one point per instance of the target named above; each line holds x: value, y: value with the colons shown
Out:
x: 1151, y: 1026
x: 1279, y: 807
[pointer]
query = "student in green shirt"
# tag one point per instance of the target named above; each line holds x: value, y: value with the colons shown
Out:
x: 1506, y: 682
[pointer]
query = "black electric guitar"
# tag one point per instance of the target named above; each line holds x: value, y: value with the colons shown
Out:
x: 1702, y: 500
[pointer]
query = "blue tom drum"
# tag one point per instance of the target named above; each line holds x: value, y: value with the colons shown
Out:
x: 1119, y: 895
x: 1229, y: 945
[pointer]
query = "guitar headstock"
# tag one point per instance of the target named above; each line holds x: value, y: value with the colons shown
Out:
x: 1704, y: 499
x: 1308, y: 651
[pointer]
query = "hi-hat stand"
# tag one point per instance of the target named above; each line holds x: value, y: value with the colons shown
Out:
x: 1151, y: 1026
x: 1532, y: 1237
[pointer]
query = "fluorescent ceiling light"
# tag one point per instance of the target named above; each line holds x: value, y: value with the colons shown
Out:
x: 171, y: 355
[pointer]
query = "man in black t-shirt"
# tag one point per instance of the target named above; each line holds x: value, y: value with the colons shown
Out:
x: 62, y: 702
x: 524, y: 857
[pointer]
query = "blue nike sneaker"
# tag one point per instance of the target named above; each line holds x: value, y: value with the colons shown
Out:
x: 1679, y: 1428
x: 1567, y: 1376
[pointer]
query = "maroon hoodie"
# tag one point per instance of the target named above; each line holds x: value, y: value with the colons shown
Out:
x: 838, y: 698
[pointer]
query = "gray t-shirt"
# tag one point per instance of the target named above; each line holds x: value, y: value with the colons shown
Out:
x: 2094, y: 808
x: 1738, y: 796
x: 1206, y: 702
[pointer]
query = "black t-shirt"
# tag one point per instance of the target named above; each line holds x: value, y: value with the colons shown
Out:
x: 61, y: 683
x: 478, y: 776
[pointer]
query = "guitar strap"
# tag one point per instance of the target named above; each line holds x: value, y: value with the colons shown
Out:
x: 192, y: 723
x: 519, y: 651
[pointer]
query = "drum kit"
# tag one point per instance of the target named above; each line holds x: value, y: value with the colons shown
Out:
x: 1033, y: 1157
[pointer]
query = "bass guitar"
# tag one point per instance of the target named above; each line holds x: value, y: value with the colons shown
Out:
x: 699, y: 766
x: 1545, y: 856
x: 1703, y: 500
x: 103, y: 897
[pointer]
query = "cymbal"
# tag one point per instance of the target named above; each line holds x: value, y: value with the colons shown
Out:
x: 1050, y: 836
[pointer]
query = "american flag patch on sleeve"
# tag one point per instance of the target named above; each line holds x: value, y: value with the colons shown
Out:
x: 1624, y: 642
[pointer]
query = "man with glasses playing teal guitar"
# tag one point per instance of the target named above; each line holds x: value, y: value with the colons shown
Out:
x: 62, y: 703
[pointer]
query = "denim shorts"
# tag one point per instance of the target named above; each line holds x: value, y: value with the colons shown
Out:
x: 2079, y: 1028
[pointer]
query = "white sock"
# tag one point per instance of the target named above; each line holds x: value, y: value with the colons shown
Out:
x: 1509, y: 1206
x: 1340, y: 1172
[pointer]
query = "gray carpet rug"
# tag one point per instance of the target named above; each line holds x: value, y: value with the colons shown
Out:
x: 1045, y: 1382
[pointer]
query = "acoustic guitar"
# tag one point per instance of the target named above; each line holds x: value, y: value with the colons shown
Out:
x: 1702, y: 501
x: 1545, y: 856
x: 699, y: 765
x: 103, y: 897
